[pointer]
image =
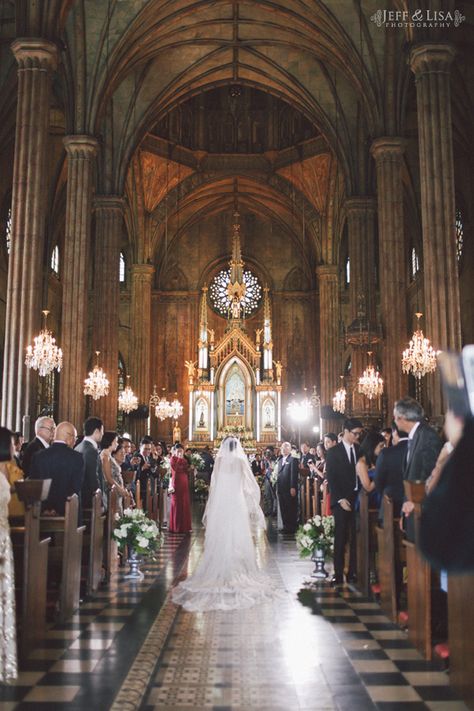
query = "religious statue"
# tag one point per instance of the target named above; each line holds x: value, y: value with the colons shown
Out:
x: 211, y: 333
x: 191, y: 367
x: 279, y: 369
x: 258, y: 335
x: 176, y: 432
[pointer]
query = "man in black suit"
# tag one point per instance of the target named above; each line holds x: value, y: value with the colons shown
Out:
x: 44, y: 431
x: 388, y: 476
x: 287, y: 483
x: 342, y: 480
x: 89, y: 448
x: 63, y: 466
x: 423, y: 446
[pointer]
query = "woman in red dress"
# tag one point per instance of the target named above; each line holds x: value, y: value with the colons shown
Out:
x: 180, y: 510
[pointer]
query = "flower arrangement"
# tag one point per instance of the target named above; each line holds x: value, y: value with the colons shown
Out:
x: 295, y: 454
x: 316, y: 533
x: 274, y: 477
x: 165, y: 474
x: 134, y: 529
x: 195, y: 460
x: 201, y: 489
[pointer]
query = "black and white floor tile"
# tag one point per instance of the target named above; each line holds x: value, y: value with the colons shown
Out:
x: 131, y: 648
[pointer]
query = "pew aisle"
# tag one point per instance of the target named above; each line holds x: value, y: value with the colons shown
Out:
x: 131, y: 648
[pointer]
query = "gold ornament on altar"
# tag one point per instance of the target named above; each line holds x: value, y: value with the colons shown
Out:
x: 44, y: 356
x: 419, y: 358
x: 370, y: 382
x: 127, y: 401
x: 97, y: 384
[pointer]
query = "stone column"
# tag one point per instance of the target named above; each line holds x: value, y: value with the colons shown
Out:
x: 361, y: 333
x: 141, y: 330
x: 388, y: 154
x: 37, y: 59
x: 330, y: 357
x: 81, y: 152
x: 431, y: 64
x: 108, y: 229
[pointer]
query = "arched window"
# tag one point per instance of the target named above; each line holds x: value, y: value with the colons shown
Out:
x: 8, y: 230
x: 122, y: 268
x: 415, y: 264
x: 459, y: 235
x: 55, y: 260
x: 347, y: 273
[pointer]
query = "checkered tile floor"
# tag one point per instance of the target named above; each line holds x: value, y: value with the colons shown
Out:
x: 131, y: 648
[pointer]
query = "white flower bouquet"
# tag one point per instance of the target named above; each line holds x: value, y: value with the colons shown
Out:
x: 165, y: 467
x: 274, y: 476
x: 134, y: 529
x: 316, y: 533
x: 195, y: 460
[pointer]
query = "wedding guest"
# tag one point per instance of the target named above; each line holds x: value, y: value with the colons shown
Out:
x: 269, y: 488
x: 287, y: 488
x: 147, y: 465
x: 387, y: 435
x: 44, y: 431
x: 8, y: 653
x: 370, y: 448
x: 89, y: 448
x: 64, y: 467
x: 342, y: 479
x: 208, y: 460
x: 164, y: 478
x: 180, y: 510
x: 388, y: 475
x: 18, y: 441
x: 329, y: 440
x: 116, y: 461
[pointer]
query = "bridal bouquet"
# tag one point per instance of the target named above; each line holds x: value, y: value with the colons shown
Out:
x: 134, y: 529
x: 201, y: 489
x: 165, y: 472
x: 195, y: 460
x: 316, y: 533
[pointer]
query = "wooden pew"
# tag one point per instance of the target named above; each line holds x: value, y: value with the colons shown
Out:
x: 110, y: 546
x: 152, y: 498
x: 308, y: 498
x: 418, y: 580
x: 138, y: 495
x: 316, y: 496
x: 363, y: 558
x: 31, y: 567
x: 93, y: 544
x: 66, y: 553
x: 461, y: 636
x: 388, y: 539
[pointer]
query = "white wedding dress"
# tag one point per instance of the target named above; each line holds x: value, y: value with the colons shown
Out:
x: 227, y: 576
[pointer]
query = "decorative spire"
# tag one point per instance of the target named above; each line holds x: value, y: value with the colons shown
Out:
x: 202, y: 343
x: 267, y: 334
x: 236, y: 288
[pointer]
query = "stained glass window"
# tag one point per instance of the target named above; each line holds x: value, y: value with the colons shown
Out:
x: 459, y: 235
x: 415, y: 263
x: 8, y: 230
x: 55, y: 260
x: 218, y: 292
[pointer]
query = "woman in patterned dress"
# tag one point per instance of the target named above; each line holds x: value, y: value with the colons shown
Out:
x: 8, y: 658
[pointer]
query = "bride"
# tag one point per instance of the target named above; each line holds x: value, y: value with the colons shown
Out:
x: 228, y: 577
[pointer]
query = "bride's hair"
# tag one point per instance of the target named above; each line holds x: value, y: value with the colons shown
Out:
x: 232, y: 441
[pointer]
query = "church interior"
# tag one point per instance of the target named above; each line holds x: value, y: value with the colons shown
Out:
x: 236, y: 208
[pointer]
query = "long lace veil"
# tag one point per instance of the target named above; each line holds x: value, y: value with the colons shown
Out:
x: 231, y: 460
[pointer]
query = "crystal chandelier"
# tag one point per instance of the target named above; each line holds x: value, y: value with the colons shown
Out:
x: 127, y: 401
x: 44, y: 356
x: 370, y: 382
x: 339, y: 399
x: 163, y: 408
x: 176, y: 409
x: 97, y: 384
x: 420, y: 357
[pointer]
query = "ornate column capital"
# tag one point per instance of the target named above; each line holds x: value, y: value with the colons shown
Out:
x: 431, y: 57
x: 108, y: 202
x: 360, y: 203
x: 145, y: 271
x: 35, y: 53
x: 327, y: 272
x: 81, y: 146
x: 388, y: 147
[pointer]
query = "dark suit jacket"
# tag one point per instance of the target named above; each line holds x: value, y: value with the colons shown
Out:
x: 424, y: 452
x: 34, y: 446
x: 93, y: 477
x: 340, y: 473
x: 287, y: 475
x: 388, y: 475
x: 65, y: 468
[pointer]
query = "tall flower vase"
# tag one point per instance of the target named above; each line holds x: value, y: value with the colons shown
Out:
x: 134, y: 562
x: 319, y: 572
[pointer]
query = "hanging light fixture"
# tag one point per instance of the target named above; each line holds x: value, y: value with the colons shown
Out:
x: 127, y: 401
x: 176, y: 409
x: 419, y: 358
x: 370, y: 382
x: 44, y: 356
x: 163, y: 408
x: 97, y: 384
x: 339, y: 399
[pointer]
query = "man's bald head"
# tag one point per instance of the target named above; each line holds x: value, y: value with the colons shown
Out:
x: 66, y: 432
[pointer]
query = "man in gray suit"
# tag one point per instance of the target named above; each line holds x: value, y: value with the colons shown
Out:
x: 89, y: 448
x: 423, y: 444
